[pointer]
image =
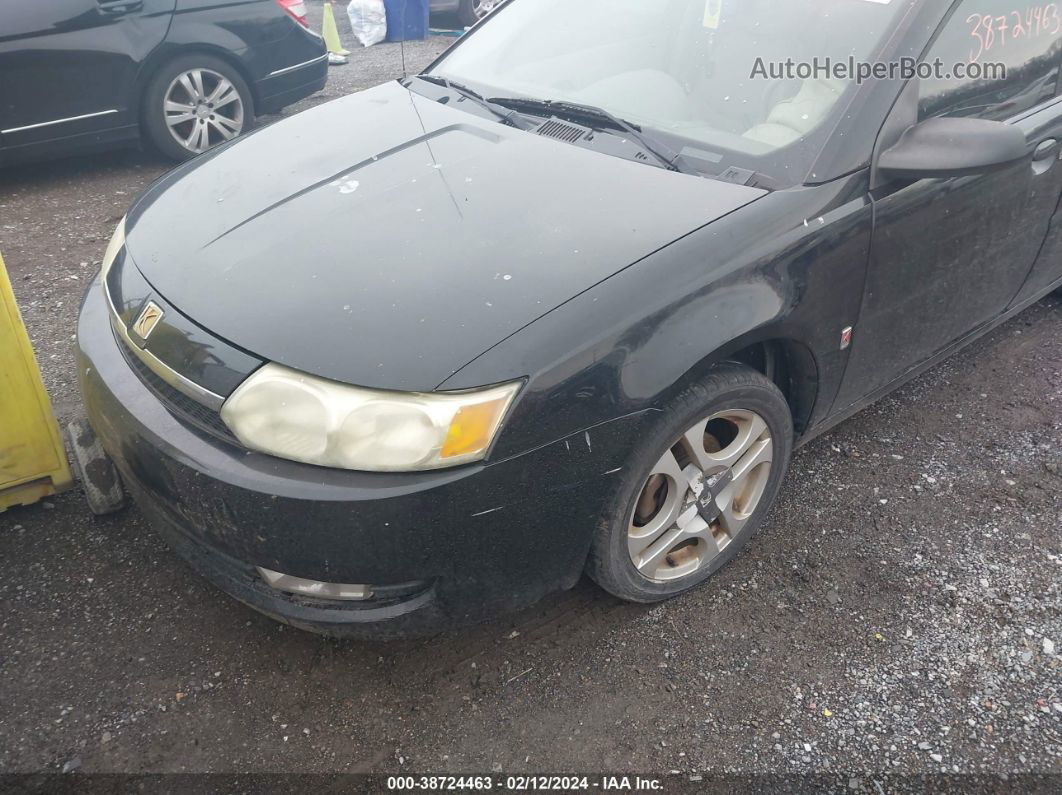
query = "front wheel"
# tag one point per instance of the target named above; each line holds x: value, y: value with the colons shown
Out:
x: 194, y: 103
x: 697, y: 487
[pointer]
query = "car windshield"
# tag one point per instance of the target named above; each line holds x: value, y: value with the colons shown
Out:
x: 688, y: 72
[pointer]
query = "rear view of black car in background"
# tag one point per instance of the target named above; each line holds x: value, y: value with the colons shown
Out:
x: 84, y: 75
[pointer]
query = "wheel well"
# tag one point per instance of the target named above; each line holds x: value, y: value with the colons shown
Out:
x: 788, y: 364
x: 153, y: 67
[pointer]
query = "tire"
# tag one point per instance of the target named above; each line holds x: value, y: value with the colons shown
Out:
x: 739, y: 416
x: 184, y: 139
x: 471, y: 11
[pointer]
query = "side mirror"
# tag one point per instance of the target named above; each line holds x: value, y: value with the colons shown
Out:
x: 953, y: 147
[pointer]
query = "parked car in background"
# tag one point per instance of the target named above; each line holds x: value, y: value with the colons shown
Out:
x: 78, y: 75
x: 468, y: 12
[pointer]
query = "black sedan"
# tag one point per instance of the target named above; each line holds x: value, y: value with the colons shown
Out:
x: 563, y: 303
x: 83, y: 75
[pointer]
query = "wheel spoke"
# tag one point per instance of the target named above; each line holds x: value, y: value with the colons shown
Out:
x: 227, y: 127
x: 759, y: 452
x: 734, y: 517
x: 731, y: 521
x: 186, y: 141
x: 651, y: 558
x: 710, y: 547
x: 224, y: 94
x: 202, y: 138
x: 199, y: 138
x: 750, y: 428
x: 693, y: 442
x: 174, y: 120
x: 668, y: 465
x: 231, y: 123
x: 177, y: 113
x: 664, y: 524
x: 641, y: 537
x: 178, y: 107
x: 186, y: 83
x: 196, y: 76
x: 689, y: 525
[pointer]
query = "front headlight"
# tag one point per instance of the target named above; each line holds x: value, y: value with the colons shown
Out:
x: 117, y: 241
x: 304, y: 418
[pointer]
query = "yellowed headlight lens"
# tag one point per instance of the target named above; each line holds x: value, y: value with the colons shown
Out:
x: 113, y: 247
x: 301, y: 417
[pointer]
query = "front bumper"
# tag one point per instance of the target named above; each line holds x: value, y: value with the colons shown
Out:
x: 440, y: 548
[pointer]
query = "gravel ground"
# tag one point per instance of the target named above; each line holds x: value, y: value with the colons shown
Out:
x: 900, y: 614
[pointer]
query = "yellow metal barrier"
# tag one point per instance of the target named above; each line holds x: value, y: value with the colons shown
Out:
x: 32, y: 459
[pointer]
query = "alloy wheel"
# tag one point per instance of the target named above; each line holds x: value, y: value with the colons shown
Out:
x: 202, y: 109
x: 700, y: 495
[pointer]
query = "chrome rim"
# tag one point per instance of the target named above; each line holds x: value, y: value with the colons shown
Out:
x: 700, y: 495
x: 203, y: 109
x: 482, y: 7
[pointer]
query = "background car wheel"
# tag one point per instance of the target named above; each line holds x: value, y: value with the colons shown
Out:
x: 472, y: 11
x: 196, y: 102
x: 697, y: 487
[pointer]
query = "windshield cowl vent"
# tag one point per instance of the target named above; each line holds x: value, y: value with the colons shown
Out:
x: 562, y: 130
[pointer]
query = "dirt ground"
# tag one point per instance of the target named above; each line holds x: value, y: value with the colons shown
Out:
x: 901, y: 613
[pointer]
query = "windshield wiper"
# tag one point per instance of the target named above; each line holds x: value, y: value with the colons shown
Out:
x: 507, y: 115
x: 671, y: 159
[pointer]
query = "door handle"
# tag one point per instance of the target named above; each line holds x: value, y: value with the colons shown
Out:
x: 1044, y: 156
x: 1046, y: 149
x: 118, y: 7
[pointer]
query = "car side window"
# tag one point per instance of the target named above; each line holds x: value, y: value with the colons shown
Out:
x: 997, y: 58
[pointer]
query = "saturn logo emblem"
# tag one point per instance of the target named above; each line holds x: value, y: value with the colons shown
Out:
x: 149, y: 317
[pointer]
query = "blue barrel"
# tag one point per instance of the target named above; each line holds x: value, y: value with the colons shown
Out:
x: 407, y: 20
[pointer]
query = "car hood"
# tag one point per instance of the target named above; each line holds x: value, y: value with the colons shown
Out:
x: 386, y: 240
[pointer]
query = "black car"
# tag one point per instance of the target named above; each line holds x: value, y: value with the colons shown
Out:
x: 81, y: 75
x: 565, y: 302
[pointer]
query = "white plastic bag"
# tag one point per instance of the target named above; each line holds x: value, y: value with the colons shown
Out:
x: 369, y: 20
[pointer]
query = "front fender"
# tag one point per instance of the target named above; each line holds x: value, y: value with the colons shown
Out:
x: 789, y: 267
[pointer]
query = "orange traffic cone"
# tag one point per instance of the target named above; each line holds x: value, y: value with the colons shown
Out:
x: 330, y: 33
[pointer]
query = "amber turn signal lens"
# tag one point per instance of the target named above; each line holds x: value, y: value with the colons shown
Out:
x: 473, y: 428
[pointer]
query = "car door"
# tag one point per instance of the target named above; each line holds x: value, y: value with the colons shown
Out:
x: 1046, y: 271
x: 69, y: 67
x: 950, y: 255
